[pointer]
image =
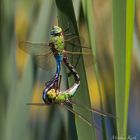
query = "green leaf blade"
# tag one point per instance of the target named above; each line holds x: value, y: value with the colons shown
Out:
x: 123, y: 23
x: 66, y: 15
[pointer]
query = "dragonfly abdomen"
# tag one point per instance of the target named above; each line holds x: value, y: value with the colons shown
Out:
x: 71, y: 91
x: 53, y: 95
x: 72, y: 69
x: 58, y: 58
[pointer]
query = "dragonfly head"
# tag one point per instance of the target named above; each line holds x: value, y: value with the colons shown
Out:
x: 56, y: 30
x: 49, y: 96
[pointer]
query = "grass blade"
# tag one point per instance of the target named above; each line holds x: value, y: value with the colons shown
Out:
x: 123, y: 23
x: 66, y: 15
x: 87, y: 10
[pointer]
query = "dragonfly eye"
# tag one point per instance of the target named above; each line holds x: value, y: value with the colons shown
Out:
x: 56, y: 30
x: 55, y: 34
x: 45, y: 97
x: 49, y: 96
x: 52, y: 94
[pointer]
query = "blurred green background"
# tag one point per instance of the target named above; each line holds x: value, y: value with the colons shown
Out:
x: 22, y: 82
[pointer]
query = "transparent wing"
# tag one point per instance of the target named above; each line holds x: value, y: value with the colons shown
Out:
x: 75, y: 47
x: 46, y: 62
x: 74, y: 41
x: 69, y: 108
x: 34, y: 48
x: 83, y: 52
x: 74, y: 56
x: 42, y: 53
x: 105, y: 114
x: 72, y: 37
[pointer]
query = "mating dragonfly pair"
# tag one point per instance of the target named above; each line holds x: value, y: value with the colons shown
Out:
x: 57, y: 51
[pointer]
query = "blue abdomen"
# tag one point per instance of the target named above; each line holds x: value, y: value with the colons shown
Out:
x: 58, y: 58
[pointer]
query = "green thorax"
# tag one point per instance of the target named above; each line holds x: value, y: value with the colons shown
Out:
x: 58, y: 42
x: 62, y: 97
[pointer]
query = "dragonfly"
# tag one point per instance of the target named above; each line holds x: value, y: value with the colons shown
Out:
x: 52, y: 96
x: 50, y: 55
x: 56, y: 51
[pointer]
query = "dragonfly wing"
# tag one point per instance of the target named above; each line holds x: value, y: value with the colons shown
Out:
x: 69, y: 108
x: 75, y: 55
x: 91, y: 109
x: 84, y: 52
x: 41, y: 52
x: 46, y: 62
x: 75, y: 47
x: 34, y: 48
x: 74, y: 41
x: 76, y: 113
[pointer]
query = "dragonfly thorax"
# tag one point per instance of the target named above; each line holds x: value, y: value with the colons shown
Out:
x: 57, y: 40
x: 57, y: 44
